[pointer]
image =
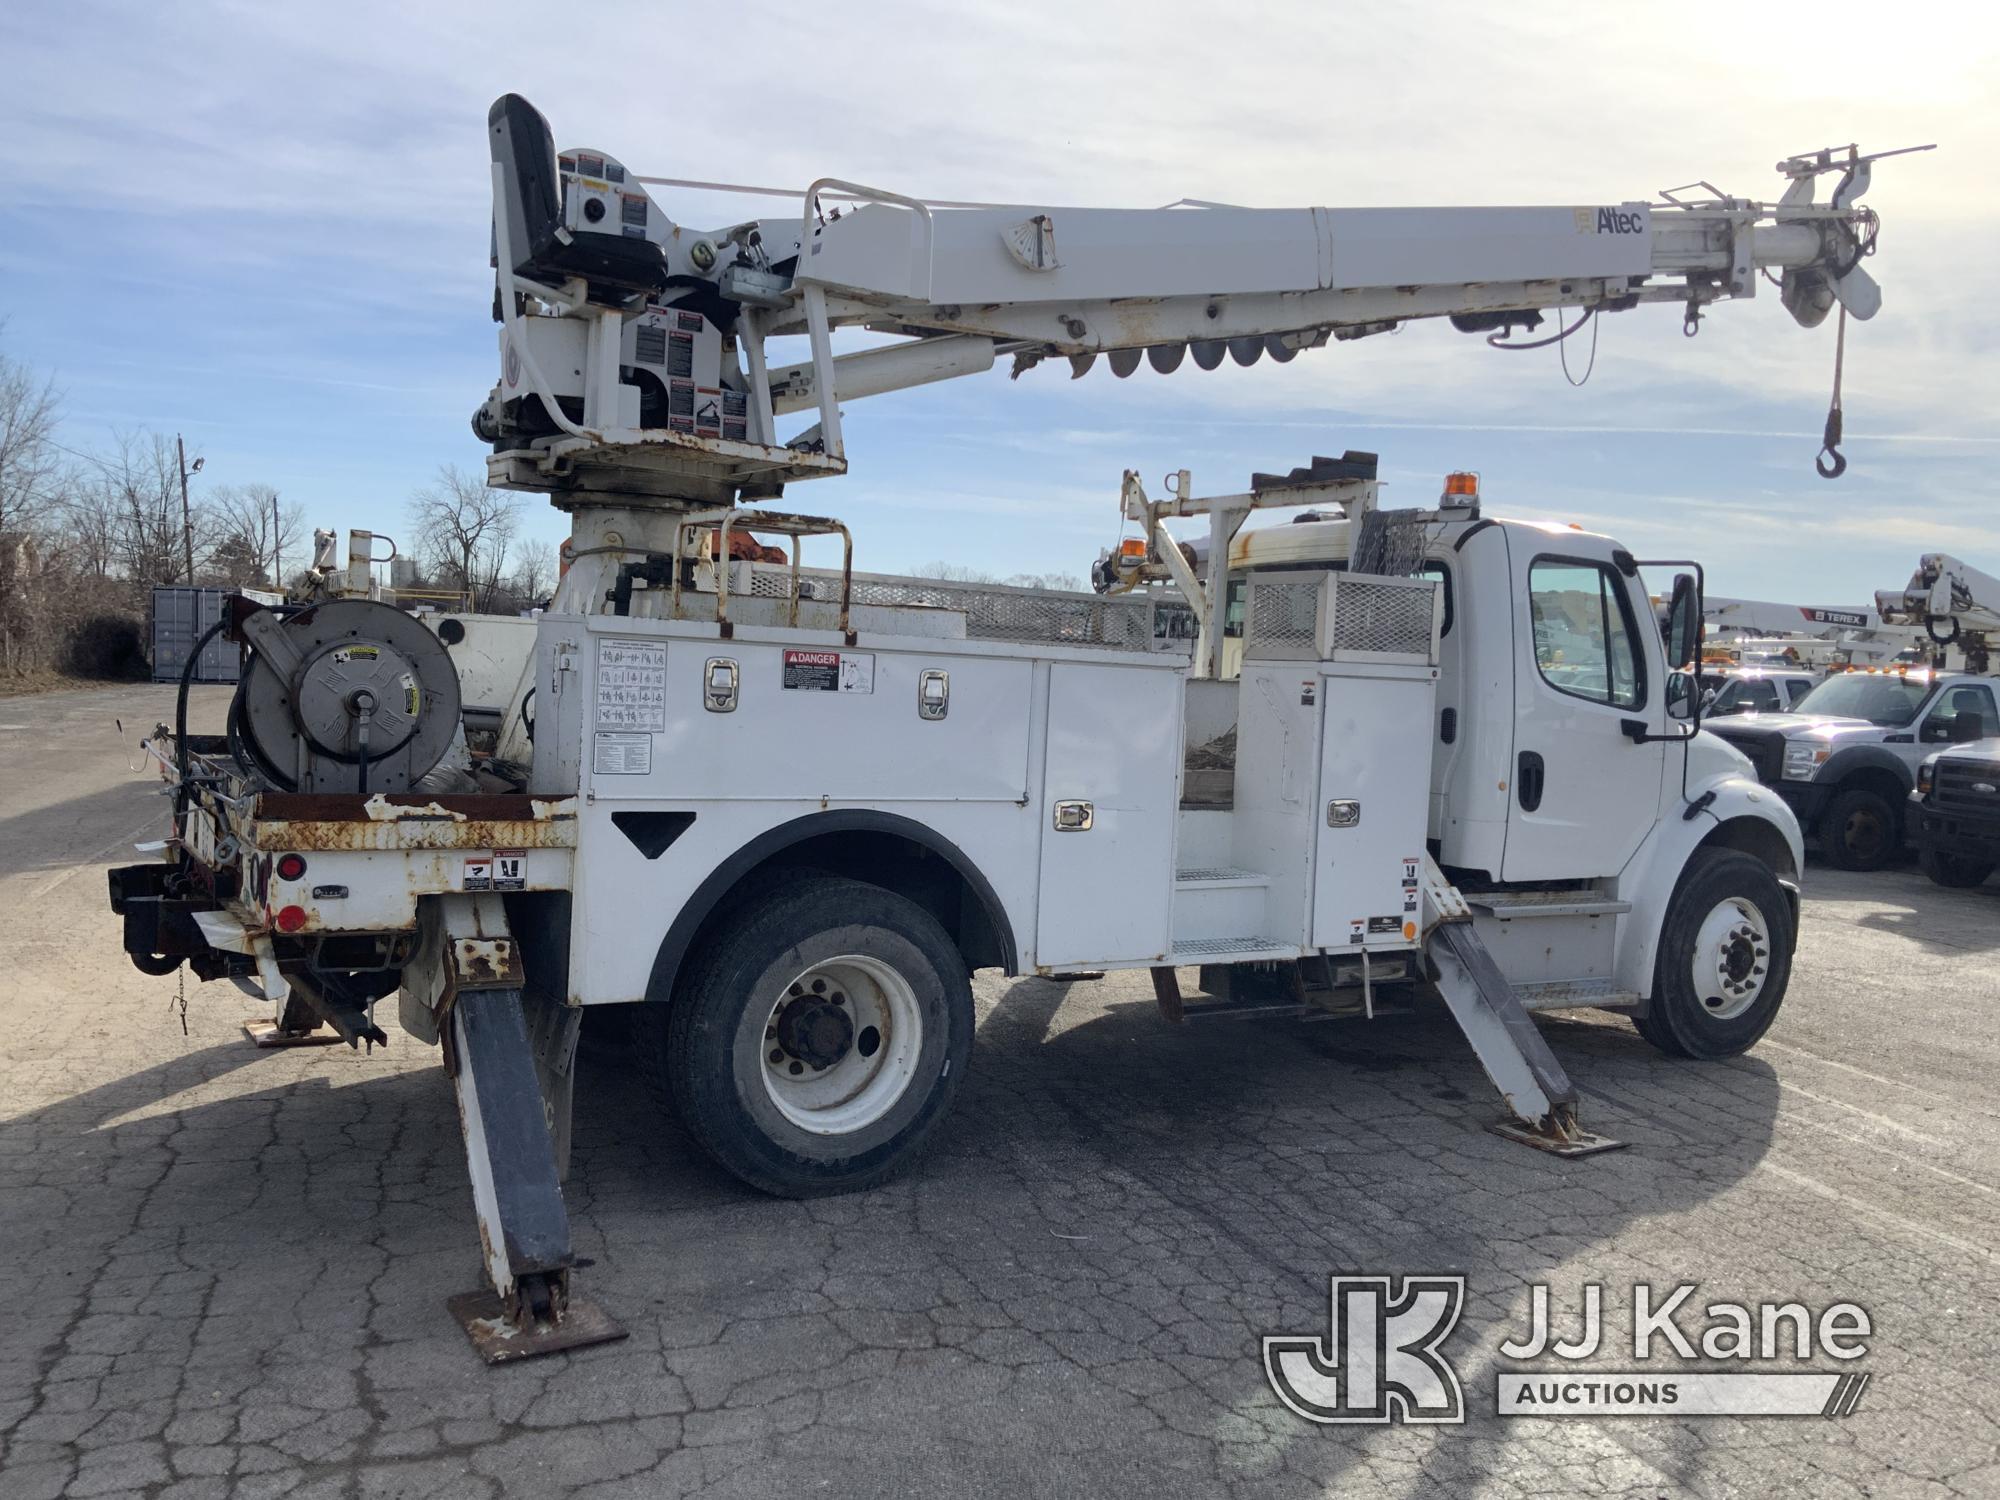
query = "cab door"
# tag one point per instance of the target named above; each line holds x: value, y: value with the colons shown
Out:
x: 1583, y: 792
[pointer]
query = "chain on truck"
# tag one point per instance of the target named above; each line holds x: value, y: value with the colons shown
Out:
x: 1380, y: 755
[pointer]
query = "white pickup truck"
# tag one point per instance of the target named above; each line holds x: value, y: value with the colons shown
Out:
x: 1845, y: 758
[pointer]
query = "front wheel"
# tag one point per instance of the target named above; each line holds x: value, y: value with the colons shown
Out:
x: 1860, y: 830
x: 1724, y: 960
x: 1958, y: 871
x: 819, y: 1038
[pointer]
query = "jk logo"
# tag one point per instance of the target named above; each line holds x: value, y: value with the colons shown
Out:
x: 1380, y: 1361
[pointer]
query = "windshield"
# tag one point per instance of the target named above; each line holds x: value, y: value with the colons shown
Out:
x: 1880, y: 700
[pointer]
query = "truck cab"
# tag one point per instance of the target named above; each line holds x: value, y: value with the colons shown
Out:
x: 1845, y: 759
x: 1756, y: 690
x: 1556, y: 750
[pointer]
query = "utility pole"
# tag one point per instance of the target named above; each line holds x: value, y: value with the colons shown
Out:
x: 187, y: 515
x: 277, y: 563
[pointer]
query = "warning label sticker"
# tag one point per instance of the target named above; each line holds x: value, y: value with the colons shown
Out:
x: 477, y: 875
x: 510, y: 869
x: 621, y: 754
x: 830, y: 671
x: 632, y: 685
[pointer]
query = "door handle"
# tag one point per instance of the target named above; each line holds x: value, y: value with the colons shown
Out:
x: 1528, y: 777
x: 1074, y: 817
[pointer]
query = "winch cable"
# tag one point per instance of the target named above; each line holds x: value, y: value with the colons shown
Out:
x: 1829, y: 461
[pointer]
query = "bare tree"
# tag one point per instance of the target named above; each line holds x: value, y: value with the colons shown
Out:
x: 534, y: 576
x: 463, y: 531
x: 251, y: 518
x: 954, y: 573
x: 29, y: 459
x: 91, y: 526
x: 142, y: 479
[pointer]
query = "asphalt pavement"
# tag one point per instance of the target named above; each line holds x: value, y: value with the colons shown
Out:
x: 229, y: 1267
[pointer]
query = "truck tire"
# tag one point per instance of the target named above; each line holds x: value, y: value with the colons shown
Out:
x: 1724, y: 960
x: 1860, y: 830
x: 818, y: 1037
x: 1961, y: 872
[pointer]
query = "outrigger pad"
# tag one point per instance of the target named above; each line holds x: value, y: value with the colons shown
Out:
x: 267, y: 1034
x: 1566, y: 1142
x: 500, y: 1340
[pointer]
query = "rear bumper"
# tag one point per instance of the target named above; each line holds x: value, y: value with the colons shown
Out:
x: 1954, y: 832
x: 160, y: 926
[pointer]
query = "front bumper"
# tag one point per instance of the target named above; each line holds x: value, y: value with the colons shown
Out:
x: 1806, y: 799
x: 1954, y: 832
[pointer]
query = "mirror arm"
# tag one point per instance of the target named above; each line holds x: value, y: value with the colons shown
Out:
x: 1636, y: 731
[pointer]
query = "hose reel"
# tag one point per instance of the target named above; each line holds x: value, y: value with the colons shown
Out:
x: 347, y: 696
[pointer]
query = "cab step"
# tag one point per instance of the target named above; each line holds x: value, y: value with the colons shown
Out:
x: 1511, y: 905
x: 1575, y: 994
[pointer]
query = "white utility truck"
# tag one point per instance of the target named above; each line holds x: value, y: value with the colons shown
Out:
x: 792, y: 811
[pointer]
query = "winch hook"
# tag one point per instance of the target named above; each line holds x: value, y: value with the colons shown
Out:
x: 1830, y: 462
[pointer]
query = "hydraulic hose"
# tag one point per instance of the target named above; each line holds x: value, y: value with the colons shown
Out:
x: 181, y: 723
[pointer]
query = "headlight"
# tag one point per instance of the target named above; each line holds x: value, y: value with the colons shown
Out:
x: 1803, y: 760
x: 1924, y: 774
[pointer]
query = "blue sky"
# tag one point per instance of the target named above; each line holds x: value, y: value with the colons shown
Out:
x: 265, y: 227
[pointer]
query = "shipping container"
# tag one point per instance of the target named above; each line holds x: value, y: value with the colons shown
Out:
x: 179, y: 615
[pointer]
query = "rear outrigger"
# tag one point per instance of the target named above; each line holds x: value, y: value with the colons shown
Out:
x: 790, y: 811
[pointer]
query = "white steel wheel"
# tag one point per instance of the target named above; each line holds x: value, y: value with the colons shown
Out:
x: 862, y: 989
x: 841, y: 1044
x: 1732, y: 957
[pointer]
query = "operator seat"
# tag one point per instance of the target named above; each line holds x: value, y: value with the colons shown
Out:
x: 524, y: 146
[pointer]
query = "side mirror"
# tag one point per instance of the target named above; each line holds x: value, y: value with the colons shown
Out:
x: 1684, y: 623
x: 1967, y: 725
x: 1684, y: 636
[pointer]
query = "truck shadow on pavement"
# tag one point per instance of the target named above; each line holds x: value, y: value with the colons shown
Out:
x: 1068, y: 1292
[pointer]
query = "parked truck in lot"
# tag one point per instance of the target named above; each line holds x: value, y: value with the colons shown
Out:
x: 1954, y: 814
x: 1845, y: 758
x: 789, y: 811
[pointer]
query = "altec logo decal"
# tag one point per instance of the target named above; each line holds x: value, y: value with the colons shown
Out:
x: 1620, y: 221
x: 1381, y: 1361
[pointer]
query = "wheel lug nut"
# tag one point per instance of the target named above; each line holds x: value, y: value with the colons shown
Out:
x: 777, y: 1056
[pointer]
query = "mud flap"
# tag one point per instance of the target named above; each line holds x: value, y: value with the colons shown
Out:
x: 1509, y: 1046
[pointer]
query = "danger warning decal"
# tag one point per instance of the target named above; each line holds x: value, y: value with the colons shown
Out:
x: 830, y: 671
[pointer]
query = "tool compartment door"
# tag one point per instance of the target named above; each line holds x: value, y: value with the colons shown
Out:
x: 1374, y: 797
x: 1114, y: 742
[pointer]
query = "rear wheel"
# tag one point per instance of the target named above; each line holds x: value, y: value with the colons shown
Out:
x: 1860, y: 830
x: 1724, y: 960
x: 819, y: 1038
x: 1959, y: 871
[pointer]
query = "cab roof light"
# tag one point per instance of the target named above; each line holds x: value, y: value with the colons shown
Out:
x: 1461, y: 490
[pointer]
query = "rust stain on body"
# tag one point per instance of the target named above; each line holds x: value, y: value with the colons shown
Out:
x: 326, y: 822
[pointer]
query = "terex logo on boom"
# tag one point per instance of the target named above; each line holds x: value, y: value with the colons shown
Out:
x: 1620, y: 221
